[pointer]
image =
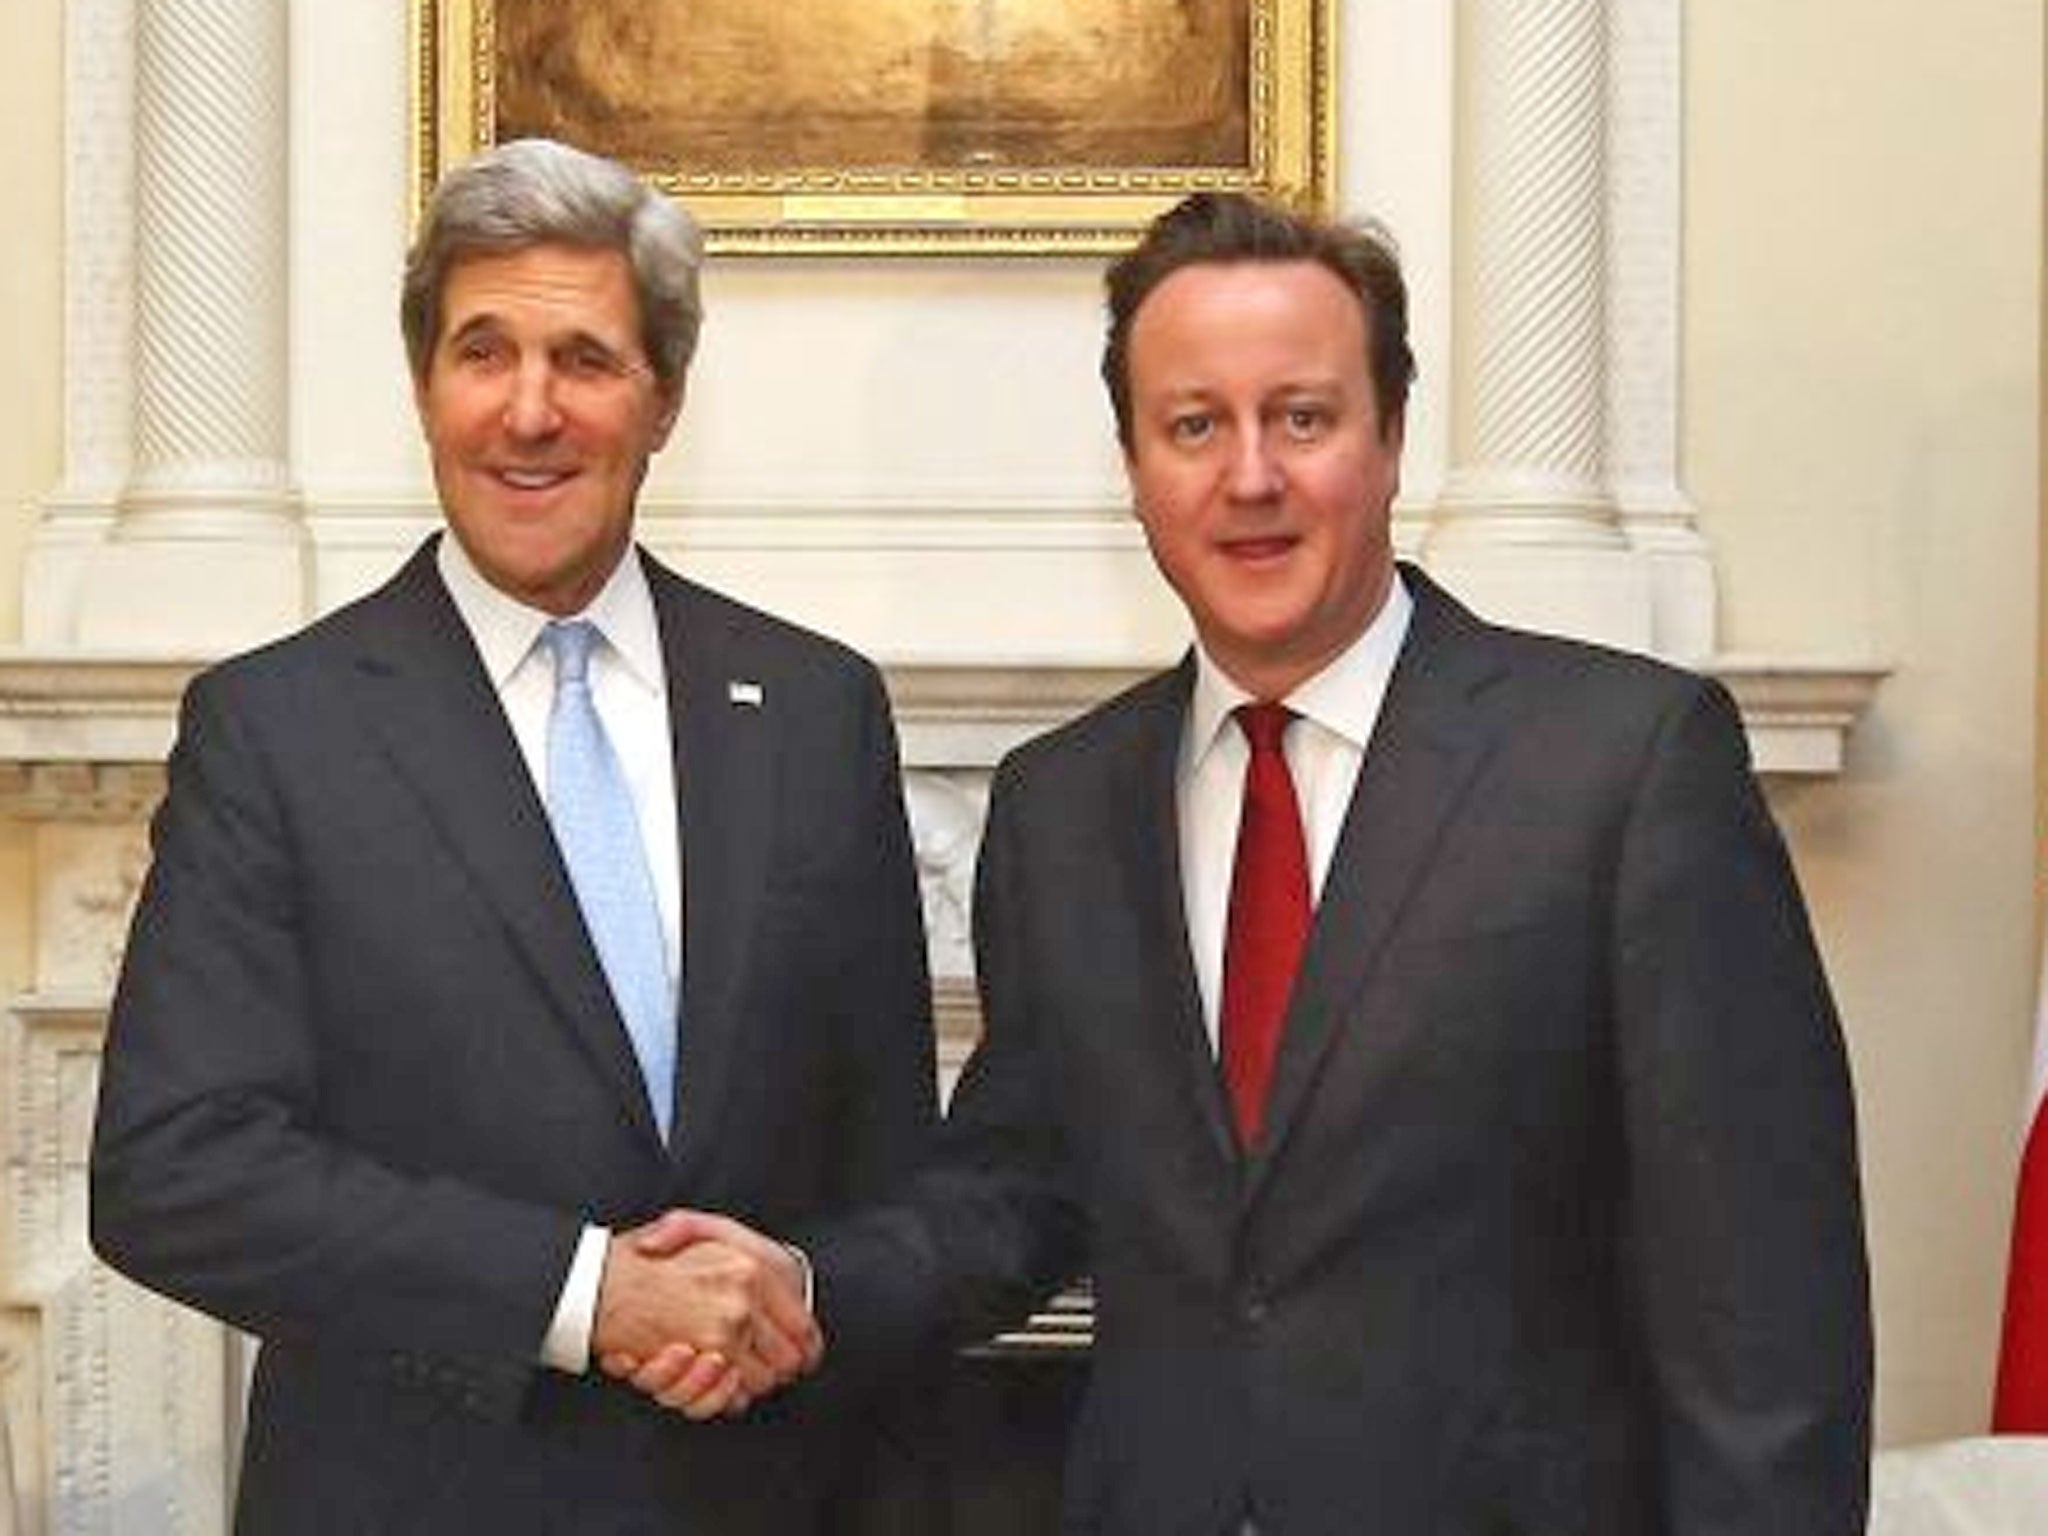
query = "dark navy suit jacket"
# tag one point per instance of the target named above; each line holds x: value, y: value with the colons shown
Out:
x: 1555, y: 1228
x: 364, y: 1082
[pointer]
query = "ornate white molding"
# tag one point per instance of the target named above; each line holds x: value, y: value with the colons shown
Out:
x: 90, y: 873
x: 1799, y: 714
x: 131, y: 1413
x: 99, y: 245
x: 1645, y: 167
x: 99, y: 294
x: 62, y: 710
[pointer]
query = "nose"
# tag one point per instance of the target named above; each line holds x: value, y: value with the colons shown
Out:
x: 1254, y: 467
x: 530, y: 409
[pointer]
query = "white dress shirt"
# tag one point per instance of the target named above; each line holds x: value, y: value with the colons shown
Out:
x: 629, y: 686
x: 1325, y: 748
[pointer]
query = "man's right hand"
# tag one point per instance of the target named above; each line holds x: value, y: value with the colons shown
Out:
x: 703, y: 1314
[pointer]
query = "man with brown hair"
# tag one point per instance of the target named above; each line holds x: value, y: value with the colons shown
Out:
x: 1411, y: 1025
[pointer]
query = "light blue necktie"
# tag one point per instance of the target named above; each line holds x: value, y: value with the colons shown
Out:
x: 592, y: 811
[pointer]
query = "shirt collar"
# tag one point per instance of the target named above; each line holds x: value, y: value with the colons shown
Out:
x: 1344, y: 697
x: 506, y: 629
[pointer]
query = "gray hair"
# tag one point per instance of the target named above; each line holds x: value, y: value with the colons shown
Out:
x: 537, y: 192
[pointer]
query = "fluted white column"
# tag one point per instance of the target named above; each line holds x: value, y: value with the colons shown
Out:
x: 1526, y: 528
x: 207, y: 548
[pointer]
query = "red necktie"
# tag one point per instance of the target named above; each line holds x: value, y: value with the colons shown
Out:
x: 1269, y: 917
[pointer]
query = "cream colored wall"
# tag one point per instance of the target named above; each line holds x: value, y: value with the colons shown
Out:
x: 1864, y: 270
x: 1862, y: 430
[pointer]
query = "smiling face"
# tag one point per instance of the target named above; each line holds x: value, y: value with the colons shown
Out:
x: 1259, y: 465
x: 540, y: 413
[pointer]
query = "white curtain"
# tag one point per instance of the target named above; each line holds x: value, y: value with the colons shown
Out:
x: 1987, y: 1486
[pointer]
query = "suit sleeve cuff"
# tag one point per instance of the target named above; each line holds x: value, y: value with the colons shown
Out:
x: 810, y: 1283
x: 566, y: 1346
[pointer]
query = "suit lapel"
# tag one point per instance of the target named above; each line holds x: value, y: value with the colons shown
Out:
x: 725, y: 786
x: 1432, y: 737
x: 424, y: 696
x: 1180, y: 1038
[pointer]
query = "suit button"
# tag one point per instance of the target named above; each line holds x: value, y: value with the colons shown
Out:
x: 1255, y: 1311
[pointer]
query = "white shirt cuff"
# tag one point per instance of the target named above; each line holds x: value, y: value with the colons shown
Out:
x: 567, y: 1344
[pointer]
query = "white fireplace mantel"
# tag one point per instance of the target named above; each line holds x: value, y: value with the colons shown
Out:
x: 81, y: 734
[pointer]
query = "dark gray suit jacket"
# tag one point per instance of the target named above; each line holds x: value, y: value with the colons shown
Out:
x: 1556, y: 1225
x: 364, y: 1081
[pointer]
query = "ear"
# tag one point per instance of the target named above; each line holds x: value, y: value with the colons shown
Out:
x: 669, y: 404
x: 1393, y: 437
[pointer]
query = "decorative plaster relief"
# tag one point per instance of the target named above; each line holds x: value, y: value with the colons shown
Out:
x: 946, y: 811
x: 79, y: 792
x: 139, y: 1446
x: 49, y: 1062
x: 20, y: 1502
x: 88, y: 877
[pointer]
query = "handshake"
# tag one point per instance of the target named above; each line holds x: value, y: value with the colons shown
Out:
x: 703, y: 1314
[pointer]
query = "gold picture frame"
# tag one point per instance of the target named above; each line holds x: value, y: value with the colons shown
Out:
x: 896, y: 126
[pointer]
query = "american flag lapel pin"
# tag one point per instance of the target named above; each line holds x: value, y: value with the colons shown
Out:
x: 744, y: 693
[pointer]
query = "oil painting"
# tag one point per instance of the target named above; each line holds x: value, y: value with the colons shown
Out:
x: 898, y: 125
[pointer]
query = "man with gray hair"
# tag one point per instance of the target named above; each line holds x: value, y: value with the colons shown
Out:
x: 537, y: 893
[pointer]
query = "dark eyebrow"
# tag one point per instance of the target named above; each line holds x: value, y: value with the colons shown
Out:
x: 482, y: 321
x: 582, y: 338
